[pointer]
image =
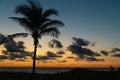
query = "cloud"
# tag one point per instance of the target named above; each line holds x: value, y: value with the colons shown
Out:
x: 42, y: 58
x: 15, y: 55
x: 82, y: 42
x: 14, y: 49
x: 3, y: 57
x: 61, y: 61
x: 94, y: 59
x: 71, y: 57
x: 61, y: 52
x: 83, y: 53
x: 21, y: 59
x: 49, y: 56
x: 115, y: 50
x: 97, y: 54
x: 20, y: 45
x: 55, y: 44
x: 52, y: 55
x: 11, y: 46
x: 116, y: 55
x: 105, y: 53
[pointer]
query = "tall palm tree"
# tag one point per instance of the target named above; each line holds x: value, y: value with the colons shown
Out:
x: 37, y: 22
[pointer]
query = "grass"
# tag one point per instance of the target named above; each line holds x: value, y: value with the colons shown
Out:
x: 76, y: 74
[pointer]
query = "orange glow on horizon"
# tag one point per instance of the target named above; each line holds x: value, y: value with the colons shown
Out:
x: 50, y: 63
x: 56, y: 63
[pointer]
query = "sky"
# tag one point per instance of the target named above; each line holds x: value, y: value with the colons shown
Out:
x: 96, y: 23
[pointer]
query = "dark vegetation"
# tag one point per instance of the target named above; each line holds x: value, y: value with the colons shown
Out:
x: 75, y: 74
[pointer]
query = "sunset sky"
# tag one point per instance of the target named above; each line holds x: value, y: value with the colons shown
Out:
x: 90, y: 38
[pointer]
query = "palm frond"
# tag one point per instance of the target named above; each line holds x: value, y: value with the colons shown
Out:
x: 49, y: 12
x: 32, y: 3
x: 2, y: 41
x: 29, y: 11
x: 54, y: 32
x: 2, y: 38
x: 18, y: 35
x: 55, y: 23
x: 13, y: 36
x: 24, y: 23
x: 25, y: 10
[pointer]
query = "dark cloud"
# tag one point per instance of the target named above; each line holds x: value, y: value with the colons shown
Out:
x: 82, y: 42
x: 97, y: 54
x: 4, y: 52
x: 61, y: 61
x: 81, y: 52
x: 105, y: 53
x: 116, y: 55
x: 14, y: 49
x: 13, y: 56
x: 115, y: 50
x: 42, y: 58
x: 21, y: 59
x: 11, y: 46
x: 94, y: 59
x: 61, y: 52
x: 52, y: 55
x: 55, y: 44
x: 20, y: 45
x: 71, y: 57
x: 2, y: 57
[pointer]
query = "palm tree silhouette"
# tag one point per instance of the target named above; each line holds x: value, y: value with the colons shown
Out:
x: 37, y: 22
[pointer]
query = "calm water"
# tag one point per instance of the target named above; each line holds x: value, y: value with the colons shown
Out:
x: 47, y: 70
x: 38, y: 70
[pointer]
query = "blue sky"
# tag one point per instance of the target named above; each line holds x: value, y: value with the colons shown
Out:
x: 95, y: 20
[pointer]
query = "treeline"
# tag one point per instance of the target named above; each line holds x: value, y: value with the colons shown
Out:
x: 75, y: 74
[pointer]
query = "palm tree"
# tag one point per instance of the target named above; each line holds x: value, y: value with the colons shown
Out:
x: 37, y: 22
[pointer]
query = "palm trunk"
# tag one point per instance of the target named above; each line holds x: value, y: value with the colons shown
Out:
x: 34, y: 57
